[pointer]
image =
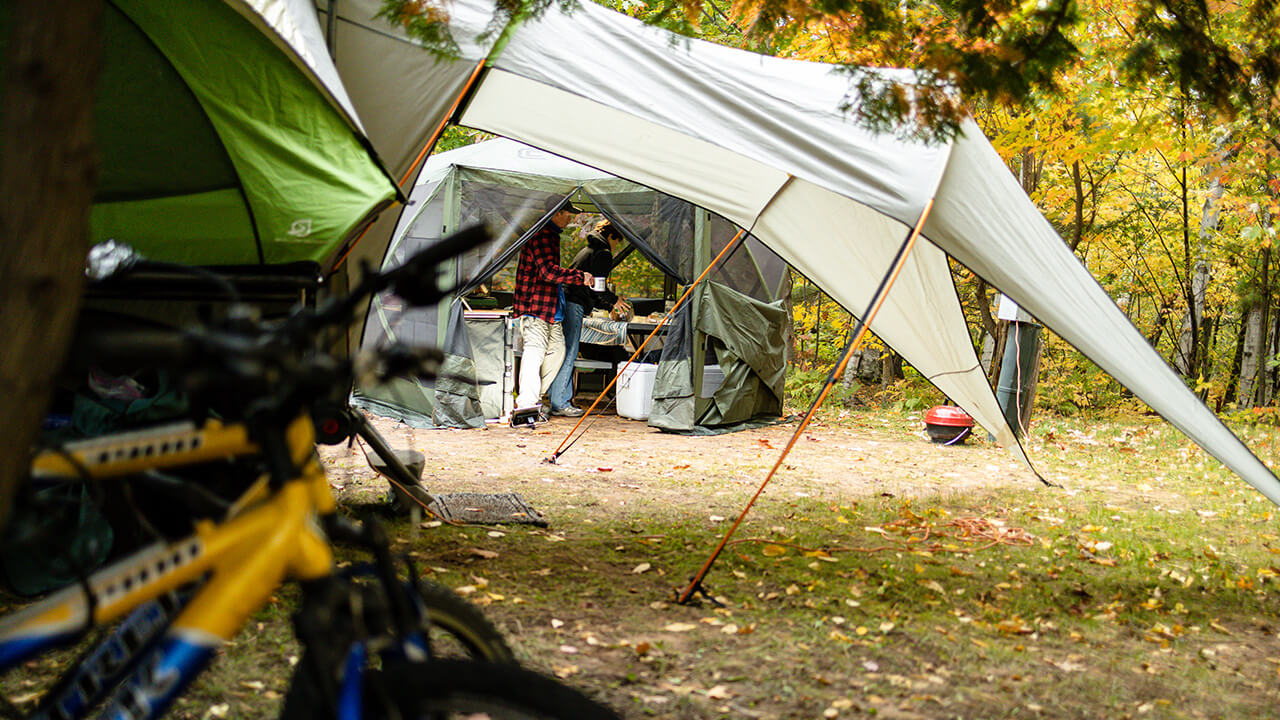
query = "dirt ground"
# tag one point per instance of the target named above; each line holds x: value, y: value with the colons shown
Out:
x: 589, y: 620
x: 620, y: 461
x: 1183, y: 627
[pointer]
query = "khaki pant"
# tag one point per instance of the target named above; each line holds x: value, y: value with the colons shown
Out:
x: 543, y: 354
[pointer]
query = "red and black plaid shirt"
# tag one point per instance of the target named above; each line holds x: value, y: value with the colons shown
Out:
x: 539, y: 273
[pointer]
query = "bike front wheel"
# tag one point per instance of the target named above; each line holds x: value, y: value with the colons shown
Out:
x: 453, y: 629
x: 457, y: 629
x: 458, y: 690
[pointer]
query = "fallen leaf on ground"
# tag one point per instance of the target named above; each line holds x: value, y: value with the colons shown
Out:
x: 1014, y: 626
x: 680, y: 627
x: 719, y: 692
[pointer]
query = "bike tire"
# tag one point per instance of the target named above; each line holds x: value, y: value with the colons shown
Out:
x: 449, y: 689
x: 458, y: 629
x: 455, y: 630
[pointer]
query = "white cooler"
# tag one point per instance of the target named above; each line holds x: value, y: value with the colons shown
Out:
x: 635, y: 390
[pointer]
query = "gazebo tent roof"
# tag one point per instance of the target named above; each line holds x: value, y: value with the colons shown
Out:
x: 767, y: 143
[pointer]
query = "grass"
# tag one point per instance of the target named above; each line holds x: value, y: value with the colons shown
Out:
x: 1143, y: 586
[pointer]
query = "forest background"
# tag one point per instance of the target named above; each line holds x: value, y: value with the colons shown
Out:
x: 1165, y: 187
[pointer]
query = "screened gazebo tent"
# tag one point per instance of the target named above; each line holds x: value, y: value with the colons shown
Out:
x: 504, y: 185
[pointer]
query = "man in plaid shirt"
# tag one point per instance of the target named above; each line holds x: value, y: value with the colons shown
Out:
x: 538, y: 304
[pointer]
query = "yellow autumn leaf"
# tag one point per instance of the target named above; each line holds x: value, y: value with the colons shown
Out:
x: 1014, y: 626
x: 935, y: 586
x: 772, y: 550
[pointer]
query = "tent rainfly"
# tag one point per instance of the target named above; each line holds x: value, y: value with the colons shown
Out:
x: 505, y: 185
x: 225, y: 136
x: 764, y: 142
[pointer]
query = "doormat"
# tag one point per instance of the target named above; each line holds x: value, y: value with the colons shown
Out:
x: 485, y: 509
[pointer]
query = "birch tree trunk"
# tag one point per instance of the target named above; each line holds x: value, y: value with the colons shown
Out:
x: 1251, y: 358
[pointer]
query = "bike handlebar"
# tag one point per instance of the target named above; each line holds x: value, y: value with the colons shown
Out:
x: 252, y: 360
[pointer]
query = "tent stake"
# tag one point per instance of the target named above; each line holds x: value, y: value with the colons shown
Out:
x: 565, y: 444
x: 864, y: 324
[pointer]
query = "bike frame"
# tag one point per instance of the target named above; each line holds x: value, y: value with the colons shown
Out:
x: 270, y: 536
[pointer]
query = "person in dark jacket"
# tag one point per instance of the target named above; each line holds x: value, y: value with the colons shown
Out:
x: 537, y: 304
x: 597, y: 260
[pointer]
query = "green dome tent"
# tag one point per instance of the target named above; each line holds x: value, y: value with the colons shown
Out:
x: 225, y: 136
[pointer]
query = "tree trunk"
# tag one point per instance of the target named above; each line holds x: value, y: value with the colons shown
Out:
x: 1251, y: 356
x: 1077, y: 230
x: 1234, y: 389
x: 1186, y: 359
x: 48, y: 168
x: 1258, y: 320
x: 997, y: 355
x: 1267, y: 375
x: 890, y: 368
x: 1208, y: 335
x: 987, y: 353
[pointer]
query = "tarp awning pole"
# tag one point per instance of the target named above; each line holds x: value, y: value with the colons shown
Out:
x: 864, y: 325
x: 566, y: 444
x: 729, y: 247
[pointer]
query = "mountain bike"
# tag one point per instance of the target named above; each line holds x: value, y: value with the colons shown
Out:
x: 374, y: 644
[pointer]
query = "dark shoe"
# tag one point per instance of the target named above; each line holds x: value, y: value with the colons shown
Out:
x: 568, y: 411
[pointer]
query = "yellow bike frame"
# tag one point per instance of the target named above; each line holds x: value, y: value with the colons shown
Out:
x: 269, y: 537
